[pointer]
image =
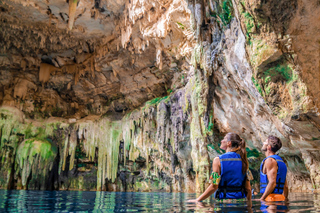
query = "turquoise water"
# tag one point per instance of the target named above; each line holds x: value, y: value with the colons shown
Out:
x: 78, y: 201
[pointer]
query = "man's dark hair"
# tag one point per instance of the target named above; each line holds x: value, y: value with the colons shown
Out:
x: 275, y: 143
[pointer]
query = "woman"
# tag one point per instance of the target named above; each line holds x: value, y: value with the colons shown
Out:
x: 230, y: 175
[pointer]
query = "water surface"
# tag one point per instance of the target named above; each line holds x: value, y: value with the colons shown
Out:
x: 80, y: 201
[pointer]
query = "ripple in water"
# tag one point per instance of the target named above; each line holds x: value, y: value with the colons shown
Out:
x: 79, y: 201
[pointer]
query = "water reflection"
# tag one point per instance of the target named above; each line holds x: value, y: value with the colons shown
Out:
x: 74, y: 201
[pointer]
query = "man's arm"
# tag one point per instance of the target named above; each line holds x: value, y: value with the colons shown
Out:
x: 271, y: 170
x: 285, y: 190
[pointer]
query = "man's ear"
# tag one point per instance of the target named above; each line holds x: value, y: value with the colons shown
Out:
x: 229, y: 143
x: 269, y: 147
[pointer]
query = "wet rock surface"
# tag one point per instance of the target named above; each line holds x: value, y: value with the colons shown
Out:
x: 136, y: 95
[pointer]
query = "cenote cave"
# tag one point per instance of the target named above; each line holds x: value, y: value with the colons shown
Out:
x: 115, y: 97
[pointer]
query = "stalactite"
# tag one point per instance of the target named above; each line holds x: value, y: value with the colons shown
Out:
x: 45, y: 71
x: 126, y: 35
x: 159, y: 58
x: 127, y: 135
x: 72, y: 147
x: 36, y: 157
x: 87, y: 132
x: 72, y: 13
x: 65, y: 151
x: 104, y: 135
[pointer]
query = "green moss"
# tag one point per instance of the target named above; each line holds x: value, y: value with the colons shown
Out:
x: 248, y: 39
x: 156, y: 184
x: 28, y: 132
x: 154, y: 101
x: 283, y: 69
x: 215, y: 147
x: 283, y: 113
x: 267, y: 79
x: 249, y: 22
x: 253, y: 153
x: 295, y: 77
x: 35, y: 156
x: 226, y: 12
x: 41, y: 133
x: 279, y: 71
x: 196, y: 55
x: 79, y: 154
x: 210, y: 126
x: 138, y: 185
x: 36, y: 151
x: 260, y: 51
x: 257, y: 85
x: 186, y: 104
x: 181, y: 26
x: 268, y: 89
x: 35, y: 147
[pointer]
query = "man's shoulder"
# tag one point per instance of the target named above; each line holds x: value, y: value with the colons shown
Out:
x: 270, y: 159
x: 270, y: 162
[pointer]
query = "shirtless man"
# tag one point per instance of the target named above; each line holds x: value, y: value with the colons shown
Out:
x: 273, y: 172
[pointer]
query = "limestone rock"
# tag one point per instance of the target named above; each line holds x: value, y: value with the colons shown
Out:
x: 136, y: 95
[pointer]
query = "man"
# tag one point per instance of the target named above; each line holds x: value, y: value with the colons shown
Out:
x: 273, y: 172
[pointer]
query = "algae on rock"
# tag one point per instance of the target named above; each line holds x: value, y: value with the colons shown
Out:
x: 36, y: 157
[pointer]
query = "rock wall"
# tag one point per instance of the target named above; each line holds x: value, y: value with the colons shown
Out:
x: 136, y: 95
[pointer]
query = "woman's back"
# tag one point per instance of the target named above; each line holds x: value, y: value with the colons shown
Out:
x: 232, y: 179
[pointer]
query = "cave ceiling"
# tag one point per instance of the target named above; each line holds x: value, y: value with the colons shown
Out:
x: 115, y: 55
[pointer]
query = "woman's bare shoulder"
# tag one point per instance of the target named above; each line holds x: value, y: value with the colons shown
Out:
x: 216, y: 159
x: 216, y: 164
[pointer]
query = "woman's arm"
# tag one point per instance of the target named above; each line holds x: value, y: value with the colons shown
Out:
x: 248, y: 189
x: 209, y: 191
x: 213, y: 187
